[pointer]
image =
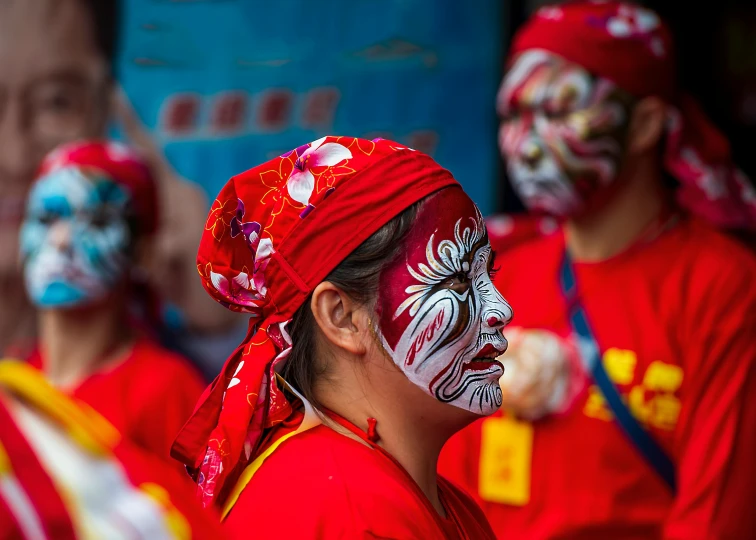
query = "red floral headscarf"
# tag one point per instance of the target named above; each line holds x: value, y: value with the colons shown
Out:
x: 121, y: 165
x: 632, y: 47
x: 273, y: 234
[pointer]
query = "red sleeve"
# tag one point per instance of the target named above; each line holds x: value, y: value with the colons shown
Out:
x: 716, y: 435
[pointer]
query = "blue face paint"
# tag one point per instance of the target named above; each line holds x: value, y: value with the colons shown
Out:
x: 75, y: 239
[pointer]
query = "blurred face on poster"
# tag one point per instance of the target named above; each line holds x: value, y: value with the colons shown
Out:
x: 54, y: 87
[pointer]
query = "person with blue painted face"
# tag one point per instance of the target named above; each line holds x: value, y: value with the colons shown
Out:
x: 90, y: 217
x: 57, y: 85
x: 77, y: 239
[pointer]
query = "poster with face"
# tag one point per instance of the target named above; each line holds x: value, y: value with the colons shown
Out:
x: 53, y: 90
x: 562, y: 132
x: 75, y: 239
x: 440, y: 316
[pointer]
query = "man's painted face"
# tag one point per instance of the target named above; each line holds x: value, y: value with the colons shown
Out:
x: 440, y: 316
x: 75, y: 239
x: 562, y: 132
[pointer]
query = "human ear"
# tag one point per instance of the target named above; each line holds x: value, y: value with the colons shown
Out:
x: 339, y: 318
x: 647, y: 122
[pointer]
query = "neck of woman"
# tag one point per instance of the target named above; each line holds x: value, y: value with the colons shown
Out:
x: 410, y: 425
x: 76, y: 342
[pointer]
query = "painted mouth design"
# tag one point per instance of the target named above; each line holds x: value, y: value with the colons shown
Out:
x: 483, y: 365
x: 490, y: 352
x: 65, y: 272
x: 486, y: 359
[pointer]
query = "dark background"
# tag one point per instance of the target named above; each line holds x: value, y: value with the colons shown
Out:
x: 716, y: 57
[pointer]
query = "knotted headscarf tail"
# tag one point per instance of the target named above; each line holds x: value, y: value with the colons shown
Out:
x: 272, y: 235
x: 632, y: 47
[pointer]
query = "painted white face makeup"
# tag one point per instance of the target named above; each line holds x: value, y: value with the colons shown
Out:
x: 562, y: 132
x: 440, y: 316
x: 75, y: 239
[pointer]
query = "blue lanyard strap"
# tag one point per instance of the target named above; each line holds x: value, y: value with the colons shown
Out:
x: 641, y: 439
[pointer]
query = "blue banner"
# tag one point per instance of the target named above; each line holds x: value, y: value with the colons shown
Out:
x: 224, y: 85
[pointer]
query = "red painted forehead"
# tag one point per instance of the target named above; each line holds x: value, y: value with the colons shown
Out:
x: 438, y: 217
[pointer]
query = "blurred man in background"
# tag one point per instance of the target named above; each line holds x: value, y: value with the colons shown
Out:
x: 629, y: 384
x: 56, y: 86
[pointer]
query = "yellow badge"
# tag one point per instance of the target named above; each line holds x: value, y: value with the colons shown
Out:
x: 506, y: 450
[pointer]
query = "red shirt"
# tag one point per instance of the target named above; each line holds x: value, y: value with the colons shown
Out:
x: 675, y: 320
x: 147, y: 397
x: 322, y: 484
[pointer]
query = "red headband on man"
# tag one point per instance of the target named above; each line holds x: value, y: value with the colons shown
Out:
x: 120, y: 164
x: 273, y: 234
x: 632, y: 47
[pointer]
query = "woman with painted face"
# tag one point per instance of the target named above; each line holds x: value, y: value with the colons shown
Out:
x: 374, y: 328
x: 628, y: 394
x: 90, y: 215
